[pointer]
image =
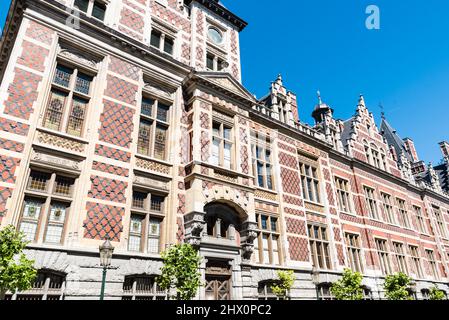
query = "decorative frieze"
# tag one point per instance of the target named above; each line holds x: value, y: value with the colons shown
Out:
x: 60, y: 142
x: 152, y: 166
x: 54, y: 161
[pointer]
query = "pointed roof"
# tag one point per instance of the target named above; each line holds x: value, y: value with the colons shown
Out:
x: 393, y: 139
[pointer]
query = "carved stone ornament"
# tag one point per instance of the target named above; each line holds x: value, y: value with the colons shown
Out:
x: 54, y: 161
x: 78, y: 57
x: 60, y: 142
x: 153, y: 166
x: 194, y: 226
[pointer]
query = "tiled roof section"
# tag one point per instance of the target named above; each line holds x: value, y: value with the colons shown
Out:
x: 442, y: 171
x: 393, y: 139
x: 348, y: 130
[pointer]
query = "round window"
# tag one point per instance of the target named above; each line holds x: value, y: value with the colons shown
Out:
x: 215, y: 36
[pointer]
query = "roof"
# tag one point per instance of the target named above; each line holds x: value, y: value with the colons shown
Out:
x: 394, y: 140
x: 348, y: 130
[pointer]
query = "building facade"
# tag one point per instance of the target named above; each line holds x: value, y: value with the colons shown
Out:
x: 127, y: 120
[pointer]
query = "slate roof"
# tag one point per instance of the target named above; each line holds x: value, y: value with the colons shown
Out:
x: 393, y: 139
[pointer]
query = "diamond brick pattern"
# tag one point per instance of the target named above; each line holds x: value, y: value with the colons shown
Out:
x: 33, y: 56
x: 298, y: 249
x: 288, y: 160
x: 290, y: 181
x: 330, y: 194
x: 124, y: 68
x: 294, y: 212
x: 14, y: 127
x: 8, y: 167
x: 292, y: 200
x: 340, y: 255
x: 103, y: 220
x: 199, y: 53
x: 135, y: 7
x: 181, y: 203
x: 11, y: 145
x: 185, y: 146
x: 234, y: 42
x: 286, y: 147
x: 121, y: 90
x: 243, y: 136
x: 337, y: 235
x: 112, y: 153
x: 171, y: 17
x: 180, y: 232
x: 39, y: 32
x: 185, y: 51
x: 205, y: 142
x: 235, y: 71
x: 22, y: 93
x: 5, y: 193
x: 200, y: 23
x: 244, y: 159
x: 295, y: 226
x: 132, y: 20
x: 108, y: 189
x: 326, y: 174
x: 116, y: 124
x: 204, y: 120
x: 130, y: 33
x: 100, y: 166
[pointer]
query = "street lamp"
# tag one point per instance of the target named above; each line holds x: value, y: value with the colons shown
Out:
x: 106, y: 250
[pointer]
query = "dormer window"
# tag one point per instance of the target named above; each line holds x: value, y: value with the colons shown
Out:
x: 93, y: 8
x: 215, y: 36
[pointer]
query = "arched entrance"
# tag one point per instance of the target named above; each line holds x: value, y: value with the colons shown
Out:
x: 222, y: 221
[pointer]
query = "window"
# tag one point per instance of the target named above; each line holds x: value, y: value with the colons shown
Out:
x: 265, y: 292
x: 416, y: 261
x: 375, y: 157
x: 324, y: 292
x: 215, y: 63
x: 48, y: 285
x: 261, y: 150
x: 371, y: 203
x: 48, y: 198
x: 388, y: 208
x: 214, y: 35
x: 94, y: 8
x: 310, y: 183
x: 354, y: 252
x: 147, y: 215
x: 425, y: 294
x: 142, y: 287
x: 384, y: 260
x: 343, y: 195
x: 267, y: 245
x: 162, y: 41
x: 432, y: 263
x: 283, y: 113
x: 420, y: 219
x: 153, y: 128
x: 367, y: 294
x: 402, y: 209
x: 439, y: 221
x: 319, y: 245
x: 222, y: 145
x: 400, y: 257
x: 69, y: 98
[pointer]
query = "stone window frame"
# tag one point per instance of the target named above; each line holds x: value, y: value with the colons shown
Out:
x: 439, y: 219
x: 321, y: 244
x: 89, y: 11
x: 77, y: 67
x: 421, y: 222
x: 383, y: 255
x: 224, y: 120
x: 146, y: 214
x: 48, y: 197
x: 388, y: 208
x: 403, y: 213
x: 315, y: 178
x: 217, y: 52
x: 43, y: 287
x: 142, y: 291
x: 400, y: 256
x: 375, y: 156
x: 259, y: 248
x: 343, y: 189
x: 266, y: 144
x: 264, y: 291
x: 149, y: 94
x: 371, y: 202
x: 354, y: 250
x: 166, y: 32
x: 324, y: 291
x: 430, y: 255
x: 416, y: 259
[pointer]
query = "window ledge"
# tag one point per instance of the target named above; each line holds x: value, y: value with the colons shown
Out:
x: 62, y: 135
x: 144, y: 157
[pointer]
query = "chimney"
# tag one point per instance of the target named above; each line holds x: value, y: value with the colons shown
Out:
x: 410, y: 146
x: 444, y: 146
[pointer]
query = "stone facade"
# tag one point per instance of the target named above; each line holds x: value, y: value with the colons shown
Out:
x: 212, y: 134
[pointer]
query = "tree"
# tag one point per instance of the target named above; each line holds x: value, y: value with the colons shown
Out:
x: 436, y: 294
x: 396, y: 287
x: 16, y: 271
x: 349, y: 287
x: 180, y: 271
x: 282, y: 286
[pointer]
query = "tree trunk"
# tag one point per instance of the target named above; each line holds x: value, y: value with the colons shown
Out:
x: 2, y: 294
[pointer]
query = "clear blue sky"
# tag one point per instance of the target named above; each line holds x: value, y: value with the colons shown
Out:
x: 324, y: 45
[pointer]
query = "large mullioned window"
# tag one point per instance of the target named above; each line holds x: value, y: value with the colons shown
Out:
x: 319, y: 244
x: 371, y: 203
x: 267, y: 245
x: 93, y: 8
x: 343, y: 195
x: 399, y: 255
x: 262, y: 166
x: 382, y: 253
x: 310, y: 182
x: 222, y: 144
x: 388, y: 208
x: 354, y: 252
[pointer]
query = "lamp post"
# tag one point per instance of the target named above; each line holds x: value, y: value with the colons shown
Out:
x: 316, y: 279
x: 106, y: 250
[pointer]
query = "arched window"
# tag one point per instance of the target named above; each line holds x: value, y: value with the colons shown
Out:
x: 324, y: 292
x: 142, y: 287
x: 222, y: 221
x: 49, y: 285
x: 264, y: 290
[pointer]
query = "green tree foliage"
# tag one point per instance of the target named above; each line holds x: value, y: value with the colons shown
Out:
x: 436, y: 294
x: 16, y: 271
x: 282, y: 286
x: 349, y: 287
x: 180, y: 271
x: 396, y: 286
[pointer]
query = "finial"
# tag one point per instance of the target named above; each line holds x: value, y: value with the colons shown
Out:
x: 361, y: 100
x: 382, y: 113
x: 318, y: 93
